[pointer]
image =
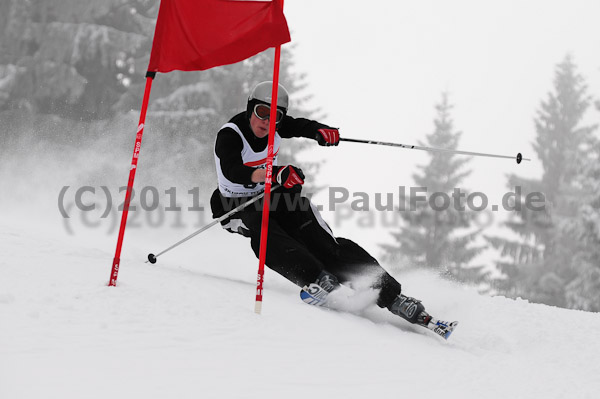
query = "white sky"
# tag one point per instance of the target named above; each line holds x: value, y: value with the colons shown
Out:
x: 378, y: 68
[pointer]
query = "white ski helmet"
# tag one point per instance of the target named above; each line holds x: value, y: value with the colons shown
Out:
x: 261, y: 94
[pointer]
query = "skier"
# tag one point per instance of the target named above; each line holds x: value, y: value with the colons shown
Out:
x: 301, y: 246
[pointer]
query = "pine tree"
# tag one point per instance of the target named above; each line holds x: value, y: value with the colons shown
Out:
x: 583, y: 292
x: 436, y: 236
x: 541, y: 260
x: 79, y: 66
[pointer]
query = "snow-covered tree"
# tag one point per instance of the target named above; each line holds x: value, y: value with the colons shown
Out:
x: 76, y: 65
x: 540, y: 262
x: 583, y: 292
x: 441, y: 236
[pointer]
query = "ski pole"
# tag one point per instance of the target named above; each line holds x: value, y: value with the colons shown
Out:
x: 152, y: 257
x: 518, y: 158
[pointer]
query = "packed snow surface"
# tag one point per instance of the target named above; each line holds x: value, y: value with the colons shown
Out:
x: 185, y: 328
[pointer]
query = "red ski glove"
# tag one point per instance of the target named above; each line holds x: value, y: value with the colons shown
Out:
x: 288, y: 176
x: 327, y: 137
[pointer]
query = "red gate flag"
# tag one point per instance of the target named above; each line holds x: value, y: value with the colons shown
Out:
x: 195, y: 35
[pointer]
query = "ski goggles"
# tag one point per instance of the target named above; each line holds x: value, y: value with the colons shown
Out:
x: 263, y: 112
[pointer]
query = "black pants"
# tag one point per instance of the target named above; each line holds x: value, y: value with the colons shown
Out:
x: 300, y: 245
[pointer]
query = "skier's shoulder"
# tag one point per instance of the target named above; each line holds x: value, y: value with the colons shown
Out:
x: 228, y: 136
x: 239, y: 119
x: 234, y: 125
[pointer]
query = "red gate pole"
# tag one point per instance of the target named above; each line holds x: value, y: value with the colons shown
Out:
x: 269, y: 175
x: 136, y: 152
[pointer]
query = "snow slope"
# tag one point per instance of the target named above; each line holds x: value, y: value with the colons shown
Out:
x: 185, y: 328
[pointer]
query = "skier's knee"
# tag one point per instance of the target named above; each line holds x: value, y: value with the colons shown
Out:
x: 389, y: 288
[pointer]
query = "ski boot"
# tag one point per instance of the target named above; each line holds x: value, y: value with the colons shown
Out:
x: 413, y: 311
x: 316, y: 293
x: 441, y: 328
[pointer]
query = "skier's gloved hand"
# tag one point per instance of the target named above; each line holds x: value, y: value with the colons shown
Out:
x: 288, y: 176
x: 327, y: 137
